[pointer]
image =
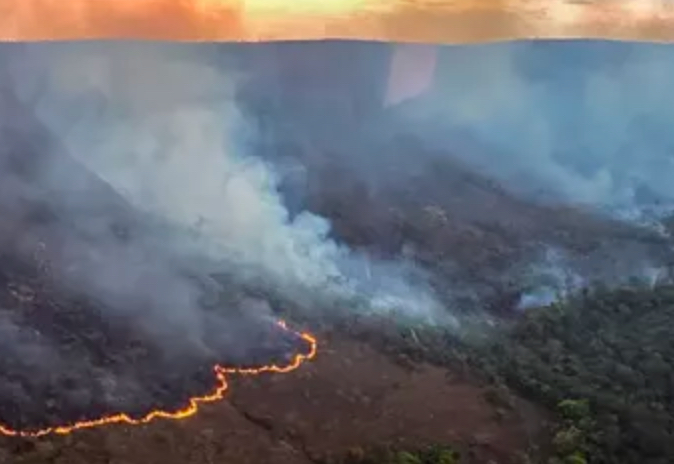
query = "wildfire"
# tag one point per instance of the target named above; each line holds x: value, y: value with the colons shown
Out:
x: 192, y: 407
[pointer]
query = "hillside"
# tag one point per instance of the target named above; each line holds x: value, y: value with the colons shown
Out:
x: 71, y: 245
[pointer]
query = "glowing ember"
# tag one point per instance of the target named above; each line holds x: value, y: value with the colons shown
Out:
x: 192, y: 408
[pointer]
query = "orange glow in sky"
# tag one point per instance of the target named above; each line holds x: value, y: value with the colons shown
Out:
x: 391, y: 20
x: 329, y: 7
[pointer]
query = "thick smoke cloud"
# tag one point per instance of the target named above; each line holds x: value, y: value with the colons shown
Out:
x: 582, y: 123
x: 509, y: 140
x: 585, y: 122
x: 159, y: 124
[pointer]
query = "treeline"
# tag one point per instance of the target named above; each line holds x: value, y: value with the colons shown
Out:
x: 387, y: 455
x: 605, y: 361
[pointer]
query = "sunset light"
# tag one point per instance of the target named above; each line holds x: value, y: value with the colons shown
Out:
x: 445, y: 21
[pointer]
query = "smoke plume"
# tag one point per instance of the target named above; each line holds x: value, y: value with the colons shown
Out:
x: 159, y: 123
x: 577, y: 121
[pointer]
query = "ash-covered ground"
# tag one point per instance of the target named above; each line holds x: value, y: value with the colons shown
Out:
x: 65, y: 359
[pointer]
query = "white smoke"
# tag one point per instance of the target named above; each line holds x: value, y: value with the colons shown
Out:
x: 583, y: 122
x: 160, y: 125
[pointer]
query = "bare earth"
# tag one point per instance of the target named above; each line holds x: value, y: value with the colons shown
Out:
x: 350, y: 396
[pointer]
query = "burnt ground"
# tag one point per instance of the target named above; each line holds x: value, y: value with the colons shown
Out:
x: 353, y: 396
x: 83, y: 362
x: 350, y: 397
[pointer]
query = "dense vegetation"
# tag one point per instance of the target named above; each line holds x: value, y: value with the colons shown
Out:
x: 605, y: 361
x: 386, y: 455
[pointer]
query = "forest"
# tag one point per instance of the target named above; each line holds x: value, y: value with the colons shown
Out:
x: 601, y: 362
x: 605, y: 361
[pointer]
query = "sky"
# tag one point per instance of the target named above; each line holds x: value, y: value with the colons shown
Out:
x: 438, y: 21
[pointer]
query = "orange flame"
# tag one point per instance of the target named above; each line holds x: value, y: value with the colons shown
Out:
x: 191, y: 409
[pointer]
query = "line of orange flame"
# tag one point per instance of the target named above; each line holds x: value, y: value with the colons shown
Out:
x: 192, y: 408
